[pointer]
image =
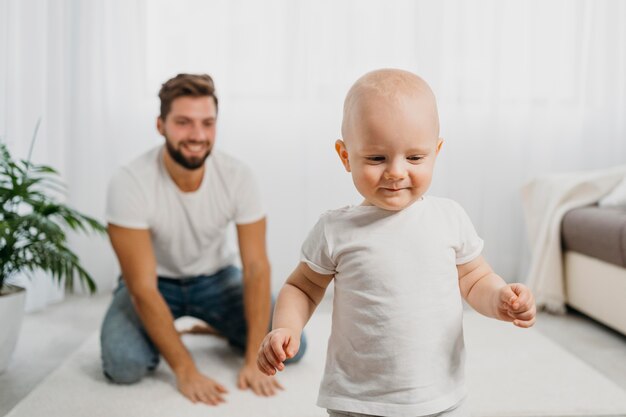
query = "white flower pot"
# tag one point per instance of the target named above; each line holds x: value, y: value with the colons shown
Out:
x: 11, y: 313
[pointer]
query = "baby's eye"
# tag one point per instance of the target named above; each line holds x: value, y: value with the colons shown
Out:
x: 375, y: 158
x: 415, y: 158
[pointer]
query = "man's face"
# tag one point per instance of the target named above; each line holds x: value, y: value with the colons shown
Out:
x: 391, y: 152
x: 189, y: 130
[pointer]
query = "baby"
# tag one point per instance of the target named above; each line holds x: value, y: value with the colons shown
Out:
x: 401, y: 262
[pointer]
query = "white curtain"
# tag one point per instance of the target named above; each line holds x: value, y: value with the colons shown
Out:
x: 34, y: 87
x: 524, y: 88
x: 75, y: 65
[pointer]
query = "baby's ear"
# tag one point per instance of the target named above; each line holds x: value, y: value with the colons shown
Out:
x: 340, y: 147
x: 439, y: 145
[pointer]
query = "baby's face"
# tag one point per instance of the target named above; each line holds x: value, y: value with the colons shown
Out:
x: 390, y: 148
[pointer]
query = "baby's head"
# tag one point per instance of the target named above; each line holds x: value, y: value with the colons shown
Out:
x: 391, y: 138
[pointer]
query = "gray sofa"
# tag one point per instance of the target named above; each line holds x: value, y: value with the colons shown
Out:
x: 594, y: 248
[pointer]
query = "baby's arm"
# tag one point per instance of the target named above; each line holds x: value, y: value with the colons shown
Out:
x: 296, y: 302
x: 491, y: 296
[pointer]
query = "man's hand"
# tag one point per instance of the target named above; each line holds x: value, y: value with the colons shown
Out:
x: 278, y: 346
x: 199, y: 388
x: 516, y: 304
x: 251, y: 377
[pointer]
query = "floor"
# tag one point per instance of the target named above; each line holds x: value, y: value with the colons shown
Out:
x: 48, y: 338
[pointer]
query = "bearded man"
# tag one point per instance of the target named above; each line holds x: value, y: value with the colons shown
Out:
x: 168, y: 213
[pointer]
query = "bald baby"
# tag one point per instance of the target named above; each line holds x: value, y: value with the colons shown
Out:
x: 384, y: 91
x: 398, y: 258
x: 391, y: 138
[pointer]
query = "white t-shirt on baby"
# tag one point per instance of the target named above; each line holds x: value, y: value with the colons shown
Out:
x: 187, y: 229
x: 396, y: 346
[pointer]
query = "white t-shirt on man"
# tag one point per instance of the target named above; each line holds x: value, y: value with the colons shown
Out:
x: 396, y: 346
x: 187, y: 229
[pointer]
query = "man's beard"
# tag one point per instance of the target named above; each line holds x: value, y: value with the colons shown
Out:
x: 188, y: 163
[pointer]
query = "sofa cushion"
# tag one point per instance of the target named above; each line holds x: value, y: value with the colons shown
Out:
x: 599, y: 232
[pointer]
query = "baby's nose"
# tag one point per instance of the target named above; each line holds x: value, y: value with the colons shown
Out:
x: 395, y: 171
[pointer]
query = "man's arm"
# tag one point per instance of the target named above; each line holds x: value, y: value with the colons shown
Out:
x: 133, y: 248
x: 486, y: 292
x: 257, y: 303
x: 256, y: 284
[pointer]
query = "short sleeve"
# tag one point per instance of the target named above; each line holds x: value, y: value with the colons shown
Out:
x: 126, y: 203
x: 469, y: 245
x: 248, y: 207
x: 315, y: 250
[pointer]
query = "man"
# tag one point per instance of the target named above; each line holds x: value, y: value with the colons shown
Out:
x: 168, y: 212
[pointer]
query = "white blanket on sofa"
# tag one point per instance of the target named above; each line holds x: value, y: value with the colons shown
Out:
x: 546, y: 200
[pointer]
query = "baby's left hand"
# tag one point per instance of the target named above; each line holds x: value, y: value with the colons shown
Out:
x: 516, y: 304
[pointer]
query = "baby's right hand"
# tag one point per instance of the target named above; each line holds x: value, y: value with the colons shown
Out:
x: 278, y: 346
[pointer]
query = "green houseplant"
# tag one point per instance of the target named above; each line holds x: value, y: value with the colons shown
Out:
x: 32, y: 223
x: 33, y: 227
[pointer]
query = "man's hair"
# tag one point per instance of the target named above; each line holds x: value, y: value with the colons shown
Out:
x: 185, y: 85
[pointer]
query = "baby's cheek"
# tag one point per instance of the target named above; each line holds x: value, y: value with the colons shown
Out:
x: 424, y: 176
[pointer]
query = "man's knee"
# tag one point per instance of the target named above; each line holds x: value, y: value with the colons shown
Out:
x: 127, y: 353
x: 125, y: 370
x: 128, y: 374
x: 126, y: 363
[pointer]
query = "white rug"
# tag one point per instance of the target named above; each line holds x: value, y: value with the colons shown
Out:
x: 511, y: 373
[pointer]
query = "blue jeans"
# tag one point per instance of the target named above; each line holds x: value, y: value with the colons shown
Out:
x: 128, y: 354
